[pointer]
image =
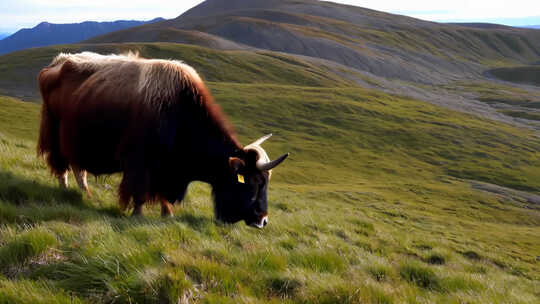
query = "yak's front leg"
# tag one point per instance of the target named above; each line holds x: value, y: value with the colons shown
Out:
x: 166, y: 206
x: 129, y: 189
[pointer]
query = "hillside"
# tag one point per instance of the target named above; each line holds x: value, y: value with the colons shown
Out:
x: 385, y: 45
x: 47, y: 33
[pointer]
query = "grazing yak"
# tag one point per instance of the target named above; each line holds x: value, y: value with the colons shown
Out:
x: 154, y: 121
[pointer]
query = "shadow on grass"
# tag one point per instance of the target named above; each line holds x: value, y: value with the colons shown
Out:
x: 20, y: 191
x: 197, y: 222
x: 28, y: 201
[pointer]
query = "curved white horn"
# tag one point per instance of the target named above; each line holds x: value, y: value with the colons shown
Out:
x: 259, y: 141
x: 265, y: 166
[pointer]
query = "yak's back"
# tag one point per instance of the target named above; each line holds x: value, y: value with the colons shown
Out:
x: 150, y: 79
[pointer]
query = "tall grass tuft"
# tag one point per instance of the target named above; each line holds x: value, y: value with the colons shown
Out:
x: 26, y: 246
x: 318, y: 261
x: 436, y: 258
x: 267, y: 261
x: 459, y: 283
x: 39, y: 292
x: 104, y: 276
x: 380, y: 272
x: 420, y: 275
x: 351, y: 294
x: 282, y: 286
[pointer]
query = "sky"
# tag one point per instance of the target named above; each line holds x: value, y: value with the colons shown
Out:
x: 17, y: 14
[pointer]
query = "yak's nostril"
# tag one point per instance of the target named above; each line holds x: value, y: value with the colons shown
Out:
x: 265, y: 221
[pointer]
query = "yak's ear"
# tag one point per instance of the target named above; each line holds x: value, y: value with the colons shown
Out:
x: 236, y: 164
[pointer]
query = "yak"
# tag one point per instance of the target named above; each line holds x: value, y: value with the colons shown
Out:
x: 154, y: 121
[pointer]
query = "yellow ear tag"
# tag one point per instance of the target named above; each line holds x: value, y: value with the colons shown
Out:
x: 241, y: 179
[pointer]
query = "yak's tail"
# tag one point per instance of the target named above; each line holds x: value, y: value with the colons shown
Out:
x: 49, y: 136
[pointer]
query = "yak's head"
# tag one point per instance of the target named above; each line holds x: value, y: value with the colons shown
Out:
x: 243, y: 196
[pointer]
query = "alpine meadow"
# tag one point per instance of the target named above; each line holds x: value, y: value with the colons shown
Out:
x: 414, y: 173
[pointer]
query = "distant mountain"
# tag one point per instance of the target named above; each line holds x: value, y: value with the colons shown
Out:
x: 481, y: 25
x: 3, y: 35
x: 47, y: 33
x: 533, y: 26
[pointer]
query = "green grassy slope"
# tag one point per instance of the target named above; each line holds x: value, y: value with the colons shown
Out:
x: 373, y: 206
x: 18, y: 70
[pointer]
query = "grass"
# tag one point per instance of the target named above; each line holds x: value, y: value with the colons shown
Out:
x: 374, y: 206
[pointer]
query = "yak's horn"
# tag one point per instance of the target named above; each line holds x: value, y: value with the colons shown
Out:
x: 272, y: 164
x: 259, y: 141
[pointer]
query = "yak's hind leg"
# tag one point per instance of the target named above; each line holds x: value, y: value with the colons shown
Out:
x: 49, y: 145
x: 124, y: 194
x: 137, y: 207
x: 81, y: 178
x: 166, y: 208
